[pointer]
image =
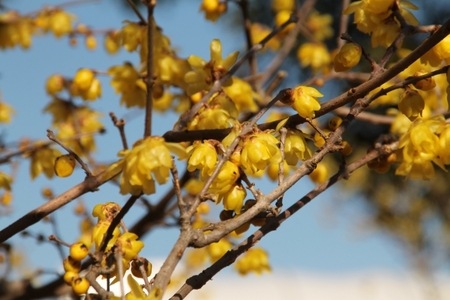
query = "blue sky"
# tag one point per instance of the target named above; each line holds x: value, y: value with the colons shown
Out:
x: 319, y: 238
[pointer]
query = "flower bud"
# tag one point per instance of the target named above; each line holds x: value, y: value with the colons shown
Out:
x: 304, y: 100
x: 348, y: 57
x: 411, y: 104
x: 424, y: 84
x: 64, y: 165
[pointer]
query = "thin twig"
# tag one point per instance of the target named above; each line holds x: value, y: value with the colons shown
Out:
x: 288, y: 44
x: 51, y: 136
x: 58, y: 240
x: 42, y: 144
x: 137, y: 12
x: 141, y: 262
x: 177, y: 188
x: 120, y: 124
x: 55, y: 229
x: 90, y: 184
x: 283, y: 133
x: 119, y: 264
x: 109, y: 233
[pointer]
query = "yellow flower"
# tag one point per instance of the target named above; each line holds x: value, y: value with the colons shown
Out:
x: 254, y: 260
x: 171, y: 70
x: 128, y: 245
x: 419, y: 147
x: 112, y: 42
x: 226, y: 178
x: 400, y: 124
x: 54, y: 84
x: 348, y: 57
x: 99, y: 231
x: 368, y: 15
x: 64, y: 165
x: 444, y: 145
x: 218, y: 249
x: 203, y: 157
x: 259, y: 32
x: 378, y: 6
x: 15, y: 30
x: 128, y: 82
x: 194, y: 186
x: 60, y: 22
x: 295, y: 147
x: 91, y: 42
x: 6, y: 198
x: 282, y: 17
x: 273, y: 169
x: 304, y: 100
x: 424, y: 84
x: 242, y: 94
x: 438, y: 53
x: 278, y: 5
x: 320, y: 173
x: 6, y: 112
x: 131, y: 35
x: 148, y: 160
x: 205, y: 73
x: 234, y: 198
x: 220, y: 112
x: 385, y: 33
x: 80, y: 120
x: 213, y: 9
x: 43, y: 161
x: 320, y: 25
x: 258, y: 151
x: 86, y: 85
x: 5, y: 181
x: 106, y: 211
x: 315, y: 55
x: 411, y: 104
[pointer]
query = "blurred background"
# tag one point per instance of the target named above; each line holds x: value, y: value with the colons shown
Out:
x: 374, y: 235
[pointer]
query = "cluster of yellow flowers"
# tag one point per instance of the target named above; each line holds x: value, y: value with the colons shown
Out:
x: 425, y: 142
x: 149, y: 159
x: 126, y: 243
x: 374, y: 17
x: 84, y: 84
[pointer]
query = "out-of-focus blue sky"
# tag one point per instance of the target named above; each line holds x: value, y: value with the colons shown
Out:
x: 315, y: 239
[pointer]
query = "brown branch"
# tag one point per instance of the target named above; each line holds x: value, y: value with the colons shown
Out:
x: 198, y: 281
x: 343, y: 24
x: 149, y: 80
x: 90, y: 184
x: 366, y: 116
